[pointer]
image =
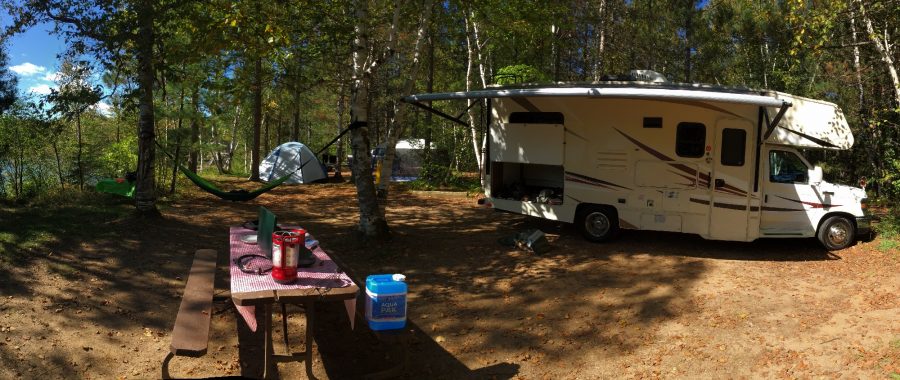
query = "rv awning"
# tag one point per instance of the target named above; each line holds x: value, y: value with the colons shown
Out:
x: 811, y: 123
x: 607, y: 92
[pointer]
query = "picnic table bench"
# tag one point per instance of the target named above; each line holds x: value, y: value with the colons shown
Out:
x: 190, y: 336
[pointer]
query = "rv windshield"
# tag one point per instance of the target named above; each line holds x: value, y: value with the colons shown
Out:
x: 786, y: 167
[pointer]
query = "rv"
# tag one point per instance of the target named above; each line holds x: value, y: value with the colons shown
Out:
x: 647, y: 154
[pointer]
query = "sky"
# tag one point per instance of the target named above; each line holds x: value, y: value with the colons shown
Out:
x: 34, y: 59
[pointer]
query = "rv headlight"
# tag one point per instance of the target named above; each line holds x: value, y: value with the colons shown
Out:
x: 864, y: 204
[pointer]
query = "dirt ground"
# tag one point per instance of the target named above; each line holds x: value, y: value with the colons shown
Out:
x: 647, y: 305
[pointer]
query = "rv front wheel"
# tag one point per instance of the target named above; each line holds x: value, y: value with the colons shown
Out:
x: 836, y: 233
x: 598, y: 224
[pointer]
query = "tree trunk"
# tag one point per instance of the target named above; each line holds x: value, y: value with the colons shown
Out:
x: 482, y: 72
x: 398, y: 125
x: 266, y: 148
x: 372, y: 223
x: 470, y: 62
x: 429, y: 128
x: 59, y: 173
x: 869, y: 138
x: 295, y: 115
x: 340, y: 127
x: 145, y: 187
x: 885, y: 49
x: 78, y: 159
x: 194, y: 157
x: 175, y: 167
x: 257, y: 119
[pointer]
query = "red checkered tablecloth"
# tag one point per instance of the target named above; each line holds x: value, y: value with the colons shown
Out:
x: 323, y: 275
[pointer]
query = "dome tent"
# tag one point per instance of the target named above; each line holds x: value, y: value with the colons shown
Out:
x: 288, y: 157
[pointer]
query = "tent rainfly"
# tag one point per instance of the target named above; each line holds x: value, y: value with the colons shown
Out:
x: 288, y: 157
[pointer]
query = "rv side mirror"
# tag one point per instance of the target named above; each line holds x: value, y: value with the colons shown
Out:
x: 815, y: 175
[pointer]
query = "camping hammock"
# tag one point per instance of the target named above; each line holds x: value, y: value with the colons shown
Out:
x: 239, y: 195
x: 242, y: 195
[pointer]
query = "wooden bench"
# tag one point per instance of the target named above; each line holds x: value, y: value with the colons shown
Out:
x: 190, y: 337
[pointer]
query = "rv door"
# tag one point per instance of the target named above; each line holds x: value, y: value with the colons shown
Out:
x: 731, y: 182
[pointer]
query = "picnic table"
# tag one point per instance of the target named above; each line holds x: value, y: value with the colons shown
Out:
x: 324, y: 281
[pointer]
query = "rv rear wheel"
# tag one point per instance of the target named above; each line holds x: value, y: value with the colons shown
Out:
x: 836, y: 233
x: 598, y: 224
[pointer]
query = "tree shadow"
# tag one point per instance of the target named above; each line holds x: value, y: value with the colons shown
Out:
x: 477, y: 309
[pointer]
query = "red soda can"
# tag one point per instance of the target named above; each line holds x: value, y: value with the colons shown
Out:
x: 285, y: 255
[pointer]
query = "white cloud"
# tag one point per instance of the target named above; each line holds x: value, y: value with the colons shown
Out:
x: 27, y: 69
x: 103, y: 108
x: 41, y: 89
x: 51, y: 76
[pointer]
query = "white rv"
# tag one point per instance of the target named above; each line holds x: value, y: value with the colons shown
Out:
x: 718, y: 162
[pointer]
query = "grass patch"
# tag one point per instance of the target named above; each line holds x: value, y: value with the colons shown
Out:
x: 63, y: 269
x: 888, y: 230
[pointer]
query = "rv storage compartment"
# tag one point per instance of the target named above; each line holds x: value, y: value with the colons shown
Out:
x: 527, y: 182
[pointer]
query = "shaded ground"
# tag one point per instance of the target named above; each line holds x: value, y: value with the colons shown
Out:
x: 98, y: 299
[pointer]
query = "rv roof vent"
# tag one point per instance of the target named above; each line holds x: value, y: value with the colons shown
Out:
x: 647, y: 76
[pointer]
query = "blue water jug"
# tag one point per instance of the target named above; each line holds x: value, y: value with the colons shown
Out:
x: 386, y: 301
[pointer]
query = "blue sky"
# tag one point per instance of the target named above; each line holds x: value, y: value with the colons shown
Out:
x: 34, y: 58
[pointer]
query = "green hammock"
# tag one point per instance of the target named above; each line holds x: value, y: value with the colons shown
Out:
x: 233, y: 195
x: 124, y: 188
x: 244, y: 195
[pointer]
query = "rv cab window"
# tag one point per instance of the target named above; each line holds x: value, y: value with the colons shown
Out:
x: 786, y: 167
x: 690, y: 140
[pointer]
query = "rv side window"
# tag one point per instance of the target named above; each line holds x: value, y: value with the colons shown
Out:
x: 786, y: 167
x: 652, y: 122
x: 690, y: 140
x: 734, y: 142
x: 536, y: 117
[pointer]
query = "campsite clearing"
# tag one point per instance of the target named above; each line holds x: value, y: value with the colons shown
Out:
x: 92, y: 292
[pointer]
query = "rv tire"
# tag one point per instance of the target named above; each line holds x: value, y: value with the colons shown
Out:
x: 597, y: 223
x: 836, y: 233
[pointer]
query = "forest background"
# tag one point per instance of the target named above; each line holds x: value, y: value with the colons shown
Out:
x: 220, y: 83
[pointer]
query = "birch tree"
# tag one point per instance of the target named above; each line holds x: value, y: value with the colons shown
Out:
x: 885, y: 47
x: 398, y: 123
x: 372, y: 223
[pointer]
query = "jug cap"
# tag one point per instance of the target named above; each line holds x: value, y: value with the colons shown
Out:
x: 398, y: 277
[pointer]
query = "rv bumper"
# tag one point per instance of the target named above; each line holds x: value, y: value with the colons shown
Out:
x: 864, y: 227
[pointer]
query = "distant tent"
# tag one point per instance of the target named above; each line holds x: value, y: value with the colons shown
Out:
x: 407, y: 159
x: 288, y: 157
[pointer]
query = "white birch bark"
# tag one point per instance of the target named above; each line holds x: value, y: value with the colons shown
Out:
x: 398, y: 124
x: 372, y: 223
x: 469, y: 66
x: 885, y: 49
x: 479, y: 44
x: 601, y: 41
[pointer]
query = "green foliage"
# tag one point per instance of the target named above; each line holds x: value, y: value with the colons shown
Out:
x: 519, y: 74
x: 888, y: 231
x: 441, y: 177
x: 120, y: 157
